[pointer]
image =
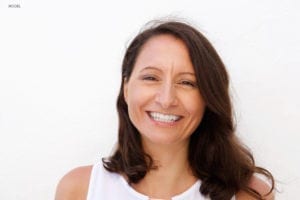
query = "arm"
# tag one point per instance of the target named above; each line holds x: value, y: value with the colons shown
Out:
x: 260, y: 186
x: 74, y: 185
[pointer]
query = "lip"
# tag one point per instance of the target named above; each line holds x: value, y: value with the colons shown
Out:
x: 173, y: 123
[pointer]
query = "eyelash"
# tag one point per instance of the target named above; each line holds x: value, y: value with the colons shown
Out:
x: 183, y: 82
x: 188, y: 83
x: 149, y: 78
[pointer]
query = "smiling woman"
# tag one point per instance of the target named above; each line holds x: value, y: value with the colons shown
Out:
x: 176, y: 132
x: 164, y: 103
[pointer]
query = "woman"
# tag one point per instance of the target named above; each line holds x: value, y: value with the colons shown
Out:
x: 176, y: 132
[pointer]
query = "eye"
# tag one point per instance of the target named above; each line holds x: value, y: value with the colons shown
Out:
x: 149, y: 78
x: 188, y: 83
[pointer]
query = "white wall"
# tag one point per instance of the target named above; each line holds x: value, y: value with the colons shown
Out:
x: 60, y: 74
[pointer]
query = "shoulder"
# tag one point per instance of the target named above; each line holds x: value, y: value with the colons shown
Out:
x: 74, y: 185
x: 260, y: 186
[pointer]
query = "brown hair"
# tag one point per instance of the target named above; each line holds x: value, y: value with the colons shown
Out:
x: 216, y: 156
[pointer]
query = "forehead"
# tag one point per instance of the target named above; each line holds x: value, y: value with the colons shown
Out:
x: 164, y: 51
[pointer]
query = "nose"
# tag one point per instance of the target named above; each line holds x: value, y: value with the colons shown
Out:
x: 166, y: 96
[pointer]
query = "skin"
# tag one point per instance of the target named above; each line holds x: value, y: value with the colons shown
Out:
x: 162, y: 81
x: 74, y: 185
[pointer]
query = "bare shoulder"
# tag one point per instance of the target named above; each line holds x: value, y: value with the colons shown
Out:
x: 74, y: 185
x: 260, y: 186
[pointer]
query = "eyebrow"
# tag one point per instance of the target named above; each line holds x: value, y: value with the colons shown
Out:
x: 157, y: 69
x: 150, y: 68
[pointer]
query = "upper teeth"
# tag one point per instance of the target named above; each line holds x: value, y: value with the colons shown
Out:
x: 163, y: 117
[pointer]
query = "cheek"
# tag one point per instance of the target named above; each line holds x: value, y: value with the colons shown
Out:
x: 137, y: 98
x: 195, y: 106
x: 134, y: 96
x: 137, y: 105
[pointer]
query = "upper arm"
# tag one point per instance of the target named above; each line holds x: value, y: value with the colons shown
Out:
x: 74, y: 185
x: 258, y: 185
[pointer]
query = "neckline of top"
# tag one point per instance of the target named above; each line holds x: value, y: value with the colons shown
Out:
x: 182, y: 196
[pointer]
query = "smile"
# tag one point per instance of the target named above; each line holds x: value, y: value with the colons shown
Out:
x: 159, y: 117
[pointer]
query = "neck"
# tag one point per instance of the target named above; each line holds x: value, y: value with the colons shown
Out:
x: 172, y: 175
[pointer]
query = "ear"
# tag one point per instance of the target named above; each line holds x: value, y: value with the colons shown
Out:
x: 125, y: 89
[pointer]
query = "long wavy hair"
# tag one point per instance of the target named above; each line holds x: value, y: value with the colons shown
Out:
x: 216, y: 156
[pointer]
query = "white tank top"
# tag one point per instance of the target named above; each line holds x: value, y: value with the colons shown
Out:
x: 105, y: 185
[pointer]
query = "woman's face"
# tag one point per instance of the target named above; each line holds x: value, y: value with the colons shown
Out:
x: 164, y: 102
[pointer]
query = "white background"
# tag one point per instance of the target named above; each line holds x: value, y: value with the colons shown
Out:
x: 60, y: 75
